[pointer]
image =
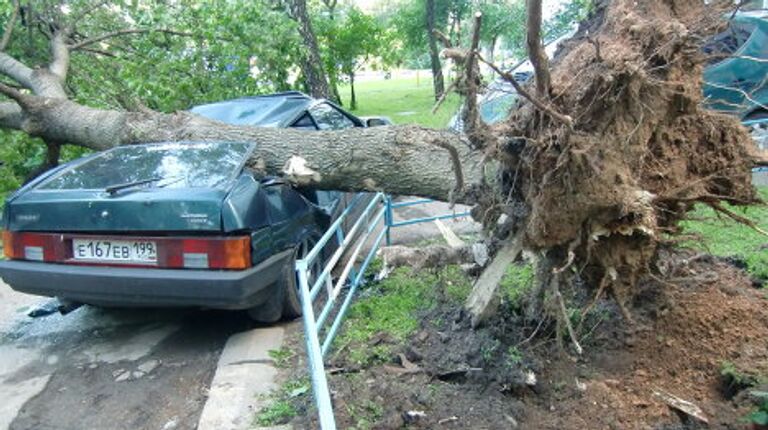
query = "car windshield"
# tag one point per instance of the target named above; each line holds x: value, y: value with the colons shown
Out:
x: 164, y: 165
x: 496, y: 108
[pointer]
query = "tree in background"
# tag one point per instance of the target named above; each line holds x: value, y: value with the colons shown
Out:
x: 135, y: 55
x: 311, y: 62
x: 351, y: 39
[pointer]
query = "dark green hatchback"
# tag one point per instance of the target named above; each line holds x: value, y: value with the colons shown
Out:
x: 166, y: 224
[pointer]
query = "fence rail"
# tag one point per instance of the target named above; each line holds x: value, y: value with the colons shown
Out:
x: 371, y: 227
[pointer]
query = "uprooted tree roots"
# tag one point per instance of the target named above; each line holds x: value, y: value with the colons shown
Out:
x: 594, y: 200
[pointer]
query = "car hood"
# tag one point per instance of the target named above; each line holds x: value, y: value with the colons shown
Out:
x: 93, y: 210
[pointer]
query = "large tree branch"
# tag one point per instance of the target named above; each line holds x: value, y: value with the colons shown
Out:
x: 11, y: 116
x: 16, y: 70
x: 123, y: 32
x: 536, y: 50
x: 22, y: 99
x: 398, y: 159
x: 9, y: 26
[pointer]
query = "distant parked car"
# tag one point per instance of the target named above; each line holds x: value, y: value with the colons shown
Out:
x: 175, y: 223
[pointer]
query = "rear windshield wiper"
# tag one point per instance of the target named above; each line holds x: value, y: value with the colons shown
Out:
x: 112, y: 189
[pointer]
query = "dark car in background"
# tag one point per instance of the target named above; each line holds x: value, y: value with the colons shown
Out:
x: 175, y: 223
x: 735, y: 78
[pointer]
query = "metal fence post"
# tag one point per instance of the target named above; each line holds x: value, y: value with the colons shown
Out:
x: 388, y: 218
x: 316, y: 366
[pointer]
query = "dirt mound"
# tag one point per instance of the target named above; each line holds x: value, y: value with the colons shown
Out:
x: 641, y: 151
x: 509, y: 375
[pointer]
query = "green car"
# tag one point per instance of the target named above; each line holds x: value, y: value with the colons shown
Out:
x: 175, y: 223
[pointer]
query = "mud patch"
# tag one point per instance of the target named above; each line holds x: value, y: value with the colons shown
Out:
x: 450, y: 376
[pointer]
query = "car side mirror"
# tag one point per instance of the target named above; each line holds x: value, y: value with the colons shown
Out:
x: 376, y: 121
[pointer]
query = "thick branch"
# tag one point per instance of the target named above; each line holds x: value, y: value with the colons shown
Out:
x: 9, y: 26
x: 11, y: 116
x: 97, y: 39
x: 536, y: 50
x: 60, y: 52
x: 472, y: 121
x: 16, y: 70
x: 406, y: 160
x: 22, y: 99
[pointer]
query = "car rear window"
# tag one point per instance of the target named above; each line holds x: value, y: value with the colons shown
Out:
x: 163, y: 165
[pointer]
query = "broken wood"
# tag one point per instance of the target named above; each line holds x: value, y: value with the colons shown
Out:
x: 680, y: 405
x: 429, y: 256
x: 483, y: 300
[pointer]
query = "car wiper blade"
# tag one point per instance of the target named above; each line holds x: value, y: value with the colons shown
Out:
x: 112, y: 189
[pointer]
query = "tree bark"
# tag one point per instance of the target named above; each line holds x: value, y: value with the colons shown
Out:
x: 408, y: 160
x: 353, y: 97
x: 536, y: 52
x: 434, y: 55
x: 312, y: 65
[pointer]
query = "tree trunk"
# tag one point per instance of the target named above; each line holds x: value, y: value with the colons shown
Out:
x: 334, y: 82
x: 353, y: 98
x: 312, y: 65
x: 434, y: 54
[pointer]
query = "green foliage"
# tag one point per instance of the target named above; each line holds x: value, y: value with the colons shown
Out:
x: 516, y: 282
x: 281, y: 357
x: 725, y: 237
x: 455, y: 283
x: 760, y: 415
x: 282, y: 405
x: 279, y: 412
x: 513, y: 357
x: 365, y: 415
x: 571, y: 12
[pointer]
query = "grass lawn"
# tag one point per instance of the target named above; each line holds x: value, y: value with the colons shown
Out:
x: 403, y: 100
x: 724, y: 237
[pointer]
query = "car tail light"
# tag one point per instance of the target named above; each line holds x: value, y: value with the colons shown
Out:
x: 215, y: 253
x: 27, y: 246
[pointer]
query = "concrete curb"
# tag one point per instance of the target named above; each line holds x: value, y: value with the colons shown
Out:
x: 244, y: 374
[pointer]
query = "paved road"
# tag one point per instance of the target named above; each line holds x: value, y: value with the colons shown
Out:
x: 109, y: 369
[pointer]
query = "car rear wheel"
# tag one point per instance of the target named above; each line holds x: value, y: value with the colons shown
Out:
x: 285, y: 302
x: 292, y: 302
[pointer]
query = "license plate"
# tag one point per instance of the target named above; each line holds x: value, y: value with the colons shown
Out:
x: 123, y: 251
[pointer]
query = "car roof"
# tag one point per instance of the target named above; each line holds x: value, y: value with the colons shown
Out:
x: 272, y: 110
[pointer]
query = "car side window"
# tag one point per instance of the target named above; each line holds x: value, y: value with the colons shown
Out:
x: 329, y: 118
x: 305, y: 122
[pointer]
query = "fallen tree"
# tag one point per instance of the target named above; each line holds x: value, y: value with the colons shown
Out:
x: 606, y: 154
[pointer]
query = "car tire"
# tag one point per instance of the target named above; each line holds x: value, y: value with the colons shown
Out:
x: 285, y: 302
x: 292, y: 298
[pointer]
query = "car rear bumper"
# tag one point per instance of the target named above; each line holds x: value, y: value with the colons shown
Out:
x: 117, y: 286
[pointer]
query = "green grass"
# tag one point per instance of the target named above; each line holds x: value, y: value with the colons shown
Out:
x: 515, y: 283
x: 391, y: 307
x: 281, y: 357
x: 403, y: 100
x: 724, y: 237
x: 282, y: 403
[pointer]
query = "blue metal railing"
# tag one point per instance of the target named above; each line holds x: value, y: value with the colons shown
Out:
x: 375, y: 221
